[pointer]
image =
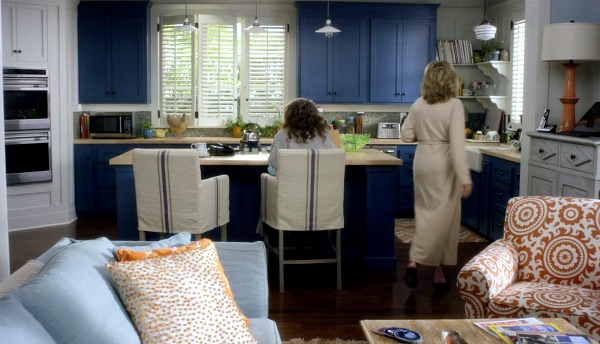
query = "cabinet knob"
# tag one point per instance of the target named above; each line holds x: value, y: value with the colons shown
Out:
x: 396, y: 94
x: 19, y: 51
x: 541, y: 151
x: 573, y: 157
x: 500, y: 194
x: 335, y: 93
x: 412, y: 156
x: 403, y: 93
x: 499, y: 224
x: 15, y: 51
x: 501, y: 173
x: 328, y: 93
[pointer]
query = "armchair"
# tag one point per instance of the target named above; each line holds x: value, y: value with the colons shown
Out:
x: 547, y: 264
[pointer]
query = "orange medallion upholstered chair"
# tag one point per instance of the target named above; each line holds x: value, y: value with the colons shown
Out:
x: 171, y: 196
x: 306, y: 196
x: 547, y: 264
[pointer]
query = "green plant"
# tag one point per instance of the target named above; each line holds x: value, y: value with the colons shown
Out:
x: 495, y: 45
x: 235, y: 123
x: 146, y: 124
x: 271, y: 129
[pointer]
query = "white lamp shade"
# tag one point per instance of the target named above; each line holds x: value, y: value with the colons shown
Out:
x: 255, y: 27
x: 328, y: 28
x: 485, y: 31
x: 571, y: 41
x: 186, y: 26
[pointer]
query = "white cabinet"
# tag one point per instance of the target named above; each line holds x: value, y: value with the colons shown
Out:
x: 24, y: 32
x: 563, y: 166
x: 491, y: 98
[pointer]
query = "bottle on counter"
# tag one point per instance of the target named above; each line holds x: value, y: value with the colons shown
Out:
x: 359, y: 123
x: 83, y: 126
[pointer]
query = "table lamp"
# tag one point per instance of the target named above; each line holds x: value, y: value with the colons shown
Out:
x: 570, y: 42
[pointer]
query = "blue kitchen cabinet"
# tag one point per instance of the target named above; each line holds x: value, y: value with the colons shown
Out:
x: 405, y: 203
x: 333, y: 69
x: 113, y: 48
x: 502, y: 178
x: 84, y: 177
x: 378, y: 57
x: 470, y: 207
x: 400, y: 50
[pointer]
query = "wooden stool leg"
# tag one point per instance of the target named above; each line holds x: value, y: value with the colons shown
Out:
x: 224, y: 232
x: 142, y: 235
x: 338, y: 257
x: 280, y: 255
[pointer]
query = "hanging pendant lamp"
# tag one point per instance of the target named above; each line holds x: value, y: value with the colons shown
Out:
x: 255, y: 27
x: 186, y: 26
x: 484, y: 31
x: 328, y: 30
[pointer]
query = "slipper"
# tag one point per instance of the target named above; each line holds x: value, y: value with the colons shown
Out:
x: 411, y: 277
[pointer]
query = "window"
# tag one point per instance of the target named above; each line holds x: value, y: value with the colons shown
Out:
x: 208, y: 74
x: 518, y: 70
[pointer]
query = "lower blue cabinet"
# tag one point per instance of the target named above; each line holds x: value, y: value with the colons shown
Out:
x: 405, y: 203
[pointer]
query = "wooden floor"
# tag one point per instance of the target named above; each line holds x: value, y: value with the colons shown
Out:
x: 310, y: 307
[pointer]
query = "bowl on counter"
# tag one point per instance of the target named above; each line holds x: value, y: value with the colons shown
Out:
x: 354, y: 142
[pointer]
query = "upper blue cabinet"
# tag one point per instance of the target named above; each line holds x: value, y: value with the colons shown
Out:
x: 378, y: 57
x: 113, y: 52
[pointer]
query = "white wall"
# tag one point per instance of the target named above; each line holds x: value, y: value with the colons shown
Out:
x: 4, y: 248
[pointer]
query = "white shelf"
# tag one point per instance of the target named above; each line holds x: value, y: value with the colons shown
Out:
x: 498, y: 71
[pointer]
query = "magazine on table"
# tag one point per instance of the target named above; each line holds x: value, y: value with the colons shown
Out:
x: 551, y: 338
x: 485, y: 325
x: 509, y: 333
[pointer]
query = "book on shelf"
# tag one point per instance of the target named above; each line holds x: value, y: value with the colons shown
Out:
x: 454, y: 51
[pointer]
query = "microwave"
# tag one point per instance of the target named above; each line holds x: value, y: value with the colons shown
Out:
x: 111, y: 125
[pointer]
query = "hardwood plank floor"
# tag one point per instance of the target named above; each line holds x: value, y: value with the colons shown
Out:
x: 310, y: 307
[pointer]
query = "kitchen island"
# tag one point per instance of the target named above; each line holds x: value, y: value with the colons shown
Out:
x: 368, y: 235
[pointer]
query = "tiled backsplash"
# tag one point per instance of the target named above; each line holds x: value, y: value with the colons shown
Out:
x: 370, y: 120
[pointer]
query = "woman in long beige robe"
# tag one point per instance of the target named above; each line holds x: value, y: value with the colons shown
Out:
x: 436, y: 121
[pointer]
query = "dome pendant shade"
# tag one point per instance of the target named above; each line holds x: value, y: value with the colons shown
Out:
x: 328, y: 30
x: 485, y: 31
x: 255, y: 27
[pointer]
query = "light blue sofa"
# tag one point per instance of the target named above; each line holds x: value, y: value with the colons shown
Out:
x: 73, y: 300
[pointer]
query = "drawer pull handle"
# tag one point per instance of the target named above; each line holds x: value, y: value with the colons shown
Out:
x: 500, y: 194
x: 541, y: 151
x: 499, y: 224
x: 412, y: 156
x: 501, y: 173
x: 573, y: 157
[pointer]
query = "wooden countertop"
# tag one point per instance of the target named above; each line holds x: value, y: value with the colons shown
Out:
x: 224, y: 140
x: 364, y: 157
x: 506, y: 154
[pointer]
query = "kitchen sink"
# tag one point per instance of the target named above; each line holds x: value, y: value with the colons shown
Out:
x: 475, y: 158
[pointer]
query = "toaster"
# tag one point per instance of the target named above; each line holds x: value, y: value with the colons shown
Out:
x: 388, y: 131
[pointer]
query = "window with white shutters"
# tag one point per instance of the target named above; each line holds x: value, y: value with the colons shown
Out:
x: 518, y: 70
x: 206, y: 71
x: 266, y: 72
x: 177, y: 68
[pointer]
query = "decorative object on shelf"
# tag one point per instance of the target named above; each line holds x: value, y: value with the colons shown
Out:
x: 484, y: 31
x: 255, y: 27
x: 493, y: 49
x: 569, y: 42
x: 159, y: 132
x: 147, y: 130
x: 235, y: 125
x: 177, y: 125
x: 328, y: 30
x: 504, y: 55
x: 186, y: 26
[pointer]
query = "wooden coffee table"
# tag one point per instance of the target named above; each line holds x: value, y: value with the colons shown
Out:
x: 431, y: 330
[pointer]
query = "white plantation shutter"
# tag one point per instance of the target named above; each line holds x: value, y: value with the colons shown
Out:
x: 518, y: 71
x: 177, y: 68
x: 266, y: 71
x: 218, y: 71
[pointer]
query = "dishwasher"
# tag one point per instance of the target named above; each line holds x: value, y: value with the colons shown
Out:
x: 387, y: 149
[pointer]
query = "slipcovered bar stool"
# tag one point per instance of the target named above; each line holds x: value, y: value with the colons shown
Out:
x: 306, y: 195
x: 171, y: 196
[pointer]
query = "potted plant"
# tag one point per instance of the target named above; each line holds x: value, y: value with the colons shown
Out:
x: 235, y: 125
x: 493, y: 48
x: 147, y: 130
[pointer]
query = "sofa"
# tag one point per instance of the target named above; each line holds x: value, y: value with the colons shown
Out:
x: 73, y: 298
x: 546, y: 265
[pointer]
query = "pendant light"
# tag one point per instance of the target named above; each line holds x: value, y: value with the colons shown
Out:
x: 328, y: 30
x: 485, y: 31
x: 255, y: 27
x: 186, y: 26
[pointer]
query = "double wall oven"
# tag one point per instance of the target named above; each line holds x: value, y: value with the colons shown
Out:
x: 27, y: 125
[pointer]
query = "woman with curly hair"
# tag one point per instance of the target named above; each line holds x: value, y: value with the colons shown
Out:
x: 436, y: 121
x: 303, y: 128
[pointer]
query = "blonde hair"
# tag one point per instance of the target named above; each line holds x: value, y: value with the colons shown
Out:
x: 439, y: 82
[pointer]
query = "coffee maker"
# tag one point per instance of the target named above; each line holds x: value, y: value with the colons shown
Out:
x: 250, y: 137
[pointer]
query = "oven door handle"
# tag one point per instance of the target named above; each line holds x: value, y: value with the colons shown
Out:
x: 25, y: 138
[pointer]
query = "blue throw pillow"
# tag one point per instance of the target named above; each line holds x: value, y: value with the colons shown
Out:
x: 18, y: 326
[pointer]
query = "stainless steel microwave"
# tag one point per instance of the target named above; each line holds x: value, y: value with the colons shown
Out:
x: 111, y: 125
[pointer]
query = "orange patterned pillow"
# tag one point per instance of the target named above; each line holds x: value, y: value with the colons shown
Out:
x: 180, y: 295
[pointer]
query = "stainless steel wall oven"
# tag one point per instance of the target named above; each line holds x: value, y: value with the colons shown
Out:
x: 27, y: 125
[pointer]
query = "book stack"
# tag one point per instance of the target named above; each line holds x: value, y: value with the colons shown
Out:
x: 530, y: 330
x: 454, y: 51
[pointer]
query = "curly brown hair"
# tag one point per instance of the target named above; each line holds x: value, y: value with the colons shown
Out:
x: 439, y: 82
x: 303, y: 121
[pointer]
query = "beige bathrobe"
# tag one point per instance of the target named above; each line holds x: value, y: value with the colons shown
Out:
x: 440, y: 170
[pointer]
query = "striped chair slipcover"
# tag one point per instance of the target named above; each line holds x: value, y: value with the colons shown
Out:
x: 306, y: 195
x: 171, y: 196
x: 547, y: 264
